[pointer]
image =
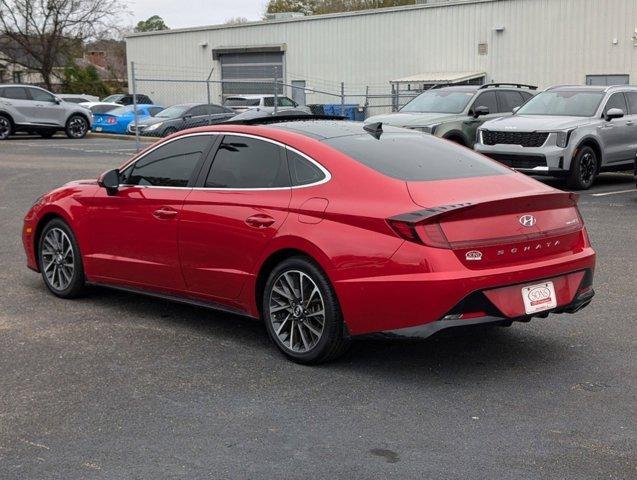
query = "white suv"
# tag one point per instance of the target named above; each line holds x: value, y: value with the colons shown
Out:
x: 243, y: 103
x: 24, y: 108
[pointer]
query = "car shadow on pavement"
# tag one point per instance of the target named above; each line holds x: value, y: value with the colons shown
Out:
x: 460, y: 352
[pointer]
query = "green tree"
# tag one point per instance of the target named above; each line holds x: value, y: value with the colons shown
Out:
x: 45, y: 34
x: 152, y: 24
x: 84, y: 80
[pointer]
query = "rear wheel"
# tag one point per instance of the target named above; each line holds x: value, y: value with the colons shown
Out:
x: 76, y: 126
x: 583, y: 170
x: 60, y: 260
x: 302, y: 314
x: 6, y: 127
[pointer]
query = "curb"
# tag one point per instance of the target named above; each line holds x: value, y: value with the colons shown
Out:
x: 113, y: 136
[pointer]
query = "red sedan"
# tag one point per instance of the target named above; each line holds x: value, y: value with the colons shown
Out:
x: 324, y: 229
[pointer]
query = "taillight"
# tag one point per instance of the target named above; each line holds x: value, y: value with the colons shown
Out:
x: 429, y: 234
x: 111, y: 120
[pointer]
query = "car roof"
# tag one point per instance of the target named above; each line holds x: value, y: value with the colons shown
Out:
x: 325, y: 129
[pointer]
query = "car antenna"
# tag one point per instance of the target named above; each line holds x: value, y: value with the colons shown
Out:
x: 375, y: 129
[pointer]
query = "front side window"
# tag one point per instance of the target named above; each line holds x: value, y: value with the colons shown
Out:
x: 616, y: 100
x: 170, y: 165
x: 42, y: 96
x: 572, y: 103
x: 302, y: 171
x: 415, y: 157
x: 509, y: 100
x: 439, y: 101
x: 487, y: 99
x: 198, y: 111
x: 245, y: 162
x: 16, y: 93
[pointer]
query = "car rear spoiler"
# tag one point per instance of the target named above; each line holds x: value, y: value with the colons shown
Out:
x: 491, y: 207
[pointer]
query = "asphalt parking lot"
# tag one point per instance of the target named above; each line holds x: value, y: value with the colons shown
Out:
x: 118, y: 386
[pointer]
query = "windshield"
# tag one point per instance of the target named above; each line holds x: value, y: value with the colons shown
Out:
x: 439, y: 101
x: 242, y: 102
x: 172, y: 112
x: 573, y: 103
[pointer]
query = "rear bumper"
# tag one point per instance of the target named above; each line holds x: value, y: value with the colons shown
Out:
x: 394, y: 302
x: 423, y: 331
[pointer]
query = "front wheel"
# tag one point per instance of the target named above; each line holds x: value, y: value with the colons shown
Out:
x: 6, y: 128
x: 302, y: 314
x: 60, y: 260
x: 583, y: 170
x: 76, y: 126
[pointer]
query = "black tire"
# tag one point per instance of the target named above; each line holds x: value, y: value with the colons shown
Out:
x: 333, y: 340
x: 584, y: 169
x: 46, y: 133
x: 6, y: 127
x: 76, y: 280
x: 169, y: 131
x: 76, y: 126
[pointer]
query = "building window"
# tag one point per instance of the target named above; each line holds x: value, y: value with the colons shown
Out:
x: 17, y: 77
x: 251, y: 73
x: 605, y: 80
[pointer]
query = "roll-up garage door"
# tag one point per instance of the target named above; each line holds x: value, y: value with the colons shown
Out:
x: 251, y: 73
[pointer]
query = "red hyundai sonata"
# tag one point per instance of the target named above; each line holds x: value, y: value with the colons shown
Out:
x: 324, y: 229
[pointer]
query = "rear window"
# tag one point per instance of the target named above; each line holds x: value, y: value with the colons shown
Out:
x: 415, y: 157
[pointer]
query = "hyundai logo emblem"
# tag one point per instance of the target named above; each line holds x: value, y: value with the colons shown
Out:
x: 527, y: 220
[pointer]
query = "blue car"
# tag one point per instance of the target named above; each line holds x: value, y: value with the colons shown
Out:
x: 116, y: 121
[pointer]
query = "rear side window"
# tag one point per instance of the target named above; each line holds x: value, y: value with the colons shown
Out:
x: 616, y: 100
x: 302, y: 171
x: 415, y: 157
x: 244, y: 162
x: 171, y: 165
x: 509, y: 100
x: 632, y: 102
x: 16, y: 93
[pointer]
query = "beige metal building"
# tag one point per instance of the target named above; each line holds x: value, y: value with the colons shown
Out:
x: 540, y: 42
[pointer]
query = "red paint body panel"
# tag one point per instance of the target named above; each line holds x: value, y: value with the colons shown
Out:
x: 215, y: 243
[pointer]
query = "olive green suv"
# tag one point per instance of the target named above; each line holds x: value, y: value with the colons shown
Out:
x: 456, y: 112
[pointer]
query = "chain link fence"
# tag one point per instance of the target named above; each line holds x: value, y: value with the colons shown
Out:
x: 166, y: 99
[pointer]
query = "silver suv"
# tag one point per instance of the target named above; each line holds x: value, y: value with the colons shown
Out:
x: 24, y: 108
x: 573, y: 131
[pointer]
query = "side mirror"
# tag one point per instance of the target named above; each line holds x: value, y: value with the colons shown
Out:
x: 613, y: 113
x: 110, y: 181
x: 515, y: 110
x: 57, y: 100
x: 479, y: 111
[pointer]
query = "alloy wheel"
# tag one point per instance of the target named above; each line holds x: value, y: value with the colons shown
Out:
x: 587, y: 168
x: 77, y: 127
x: 5, y: 128
x: 297, y: 311
x: 58, y: 259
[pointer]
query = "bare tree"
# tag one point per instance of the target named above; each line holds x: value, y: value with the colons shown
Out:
x: 44, y: 34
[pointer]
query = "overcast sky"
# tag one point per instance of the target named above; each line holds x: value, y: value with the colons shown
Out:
x: 192, y: 13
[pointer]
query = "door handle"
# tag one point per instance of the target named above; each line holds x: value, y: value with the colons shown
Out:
x: 165, y: 213
x: 260, y: 221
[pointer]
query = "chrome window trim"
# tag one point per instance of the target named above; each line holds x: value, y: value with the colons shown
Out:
x: 325, y: 171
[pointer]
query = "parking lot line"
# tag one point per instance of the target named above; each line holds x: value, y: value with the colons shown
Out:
x: 612, y: 193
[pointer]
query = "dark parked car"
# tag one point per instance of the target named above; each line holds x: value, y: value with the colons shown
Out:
x: 127, y: 99
x: 180, y: 117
